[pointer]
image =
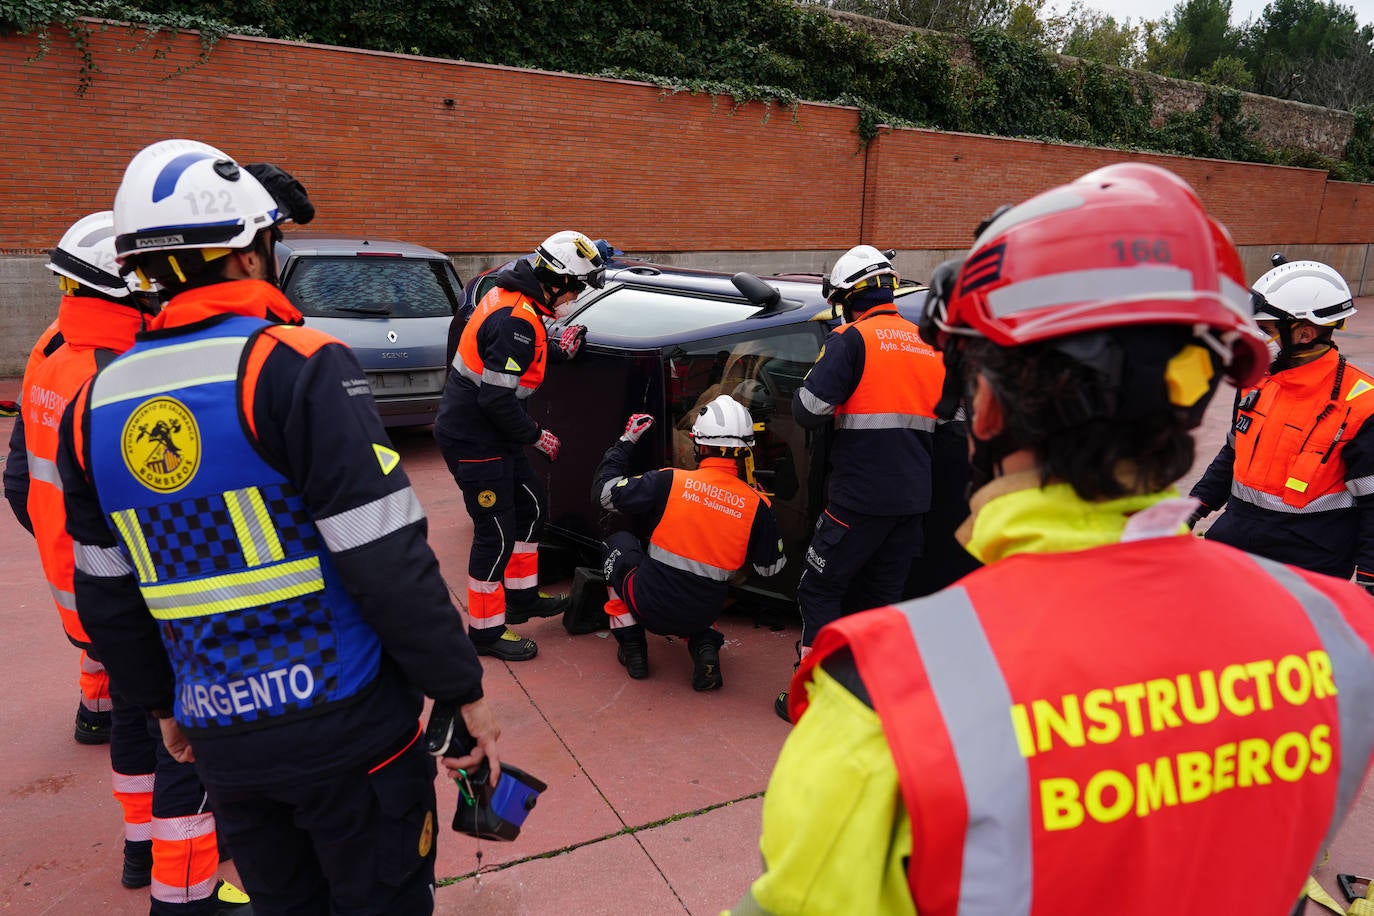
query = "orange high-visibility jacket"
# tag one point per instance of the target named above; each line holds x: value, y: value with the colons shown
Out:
x: 95, y: 331
x: 468, y: 362
x: 1289, y: 441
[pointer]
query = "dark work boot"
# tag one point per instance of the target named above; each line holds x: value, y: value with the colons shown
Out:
x: 510, y: 646
x: 706, y: 667
x: 138, y: 863
x: 520, y: 608
x: 91, y: 727
x: 633, y: 653
x: 780, y: 703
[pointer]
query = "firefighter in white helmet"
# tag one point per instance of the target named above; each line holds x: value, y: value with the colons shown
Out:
x: 707, y: 524
x: 483, y: 428
x: 879, y: 383
x: 239, y: 516
x: 1296, y: 473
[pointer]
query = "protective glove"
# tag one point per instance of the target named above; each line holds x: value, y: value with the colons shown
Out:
x: 1198, y: 515
x: 569, y: 341
x: 637, y: 426
x: 548, y: 444
x: 289, y: 193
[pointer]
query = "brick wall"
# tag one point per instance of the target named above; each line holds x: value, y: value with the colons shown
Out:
x: 519, y: 154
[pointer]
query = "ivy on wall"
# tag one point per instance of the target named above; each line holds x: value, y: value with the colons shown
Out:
x: 768, y: 51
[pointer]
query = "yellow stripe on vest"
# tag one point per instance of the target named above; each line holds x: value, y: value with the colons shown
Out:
x: 235, y: 591
x: 126, y: 520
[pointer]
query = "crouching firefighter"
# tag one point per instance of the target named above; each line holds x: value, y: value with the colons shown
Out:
x: 707, y: 524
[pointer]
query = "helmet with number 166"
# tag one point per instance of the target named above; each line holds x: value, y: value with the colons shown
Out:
x: 1126, y: 245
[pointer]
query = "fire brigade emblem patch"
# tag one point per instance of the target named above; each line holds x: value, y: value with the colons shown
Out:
x: 427, y: 835
x: 486, y: 499
x: 161, y: 444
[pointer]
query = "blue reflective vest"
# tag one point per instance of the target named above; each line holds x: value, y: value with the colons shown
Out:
x: 256, y: 621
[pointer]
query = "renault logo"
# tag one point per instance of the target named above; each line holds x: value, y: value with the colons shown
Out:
x: 391, y: 336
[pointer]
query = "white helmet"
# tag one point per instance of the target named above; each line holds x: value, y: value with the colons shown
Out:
x: 86, y: 255
x: 856, y: 269
x: 1305, y: 291
x: 724, y: 423
x: 572, y: 255
x: 182, y: 194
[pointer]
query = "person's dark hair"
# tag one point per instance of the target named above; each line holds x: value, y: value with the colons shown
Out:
x: 1094, y: 408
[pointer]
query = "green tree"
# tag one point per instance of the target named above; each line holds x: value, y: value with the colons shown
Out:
x: 1092, y: 35
x: 1300, y: 49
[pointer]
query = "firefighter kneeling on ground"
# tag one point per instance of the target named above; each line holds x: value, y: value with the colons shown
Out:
x: 1110, y: 714
x: 1296, y: 473
x: 707, y: 524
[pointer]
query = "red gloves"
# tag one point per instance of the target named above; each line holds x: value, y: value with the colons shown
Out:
x: 569, y: 341
x: 637, y: 426
x: 548, y: 444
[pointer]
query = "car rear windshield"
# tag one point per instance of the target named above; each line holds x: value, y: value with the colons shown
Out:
x: 329, y: 287
x: 636, y: 313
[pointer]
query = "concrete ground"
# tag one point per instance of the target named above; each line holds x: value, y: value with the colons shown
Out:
x: 655, y: 791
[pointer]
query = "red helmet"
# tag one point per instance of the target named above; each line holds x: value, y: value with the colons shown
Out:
x: 1128, y: 244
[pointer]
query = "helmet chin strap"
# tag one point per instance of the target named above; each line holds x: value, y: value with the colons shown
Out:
x: 1290, y: 351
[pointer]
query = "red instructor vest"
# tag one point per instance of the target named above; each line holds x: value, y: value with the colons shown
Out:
x: 1119, y: 727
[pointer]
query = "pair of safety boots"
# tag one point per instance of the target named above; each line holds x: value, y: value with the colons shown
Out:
x: 227, y: 900
x: 633, y: 653
x: 510, y: 646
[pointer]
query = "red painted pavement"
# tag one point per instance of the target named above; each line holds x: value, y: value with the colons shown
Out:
x: 655, y: 790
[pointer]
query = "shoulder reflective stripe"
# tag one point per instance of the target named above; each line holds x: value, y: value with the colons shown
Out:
x: 606, y: 492
x: 974, y: 699
x: 1353, y: 670
x: 126, y: 520
x: 1119, y: 283
x: 1359, y: 486
x: 64, y: 599
x: 696, y: 567
x: 199, y: 362
x: 1342, y: 500
x: 44, y: 470
x: 370, y: 521
x: 101, y: 562
x: 884, y: 421
x: 499, y: 379
x: 234, y: 591
x: 256, y: 533
x: 772, y: 570
x: 815, y: 404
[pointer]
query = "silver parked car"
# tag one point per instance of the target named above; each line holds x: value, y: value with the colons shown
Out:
x: 391, y: 302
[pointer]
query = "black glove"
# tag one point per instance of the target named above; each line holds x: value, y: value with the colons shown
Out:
x: 289, y: 193
x: 1198, y: 515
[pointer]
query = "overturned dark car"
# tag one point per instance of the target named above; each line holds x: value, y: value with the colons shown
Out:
x: 664, y: 341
